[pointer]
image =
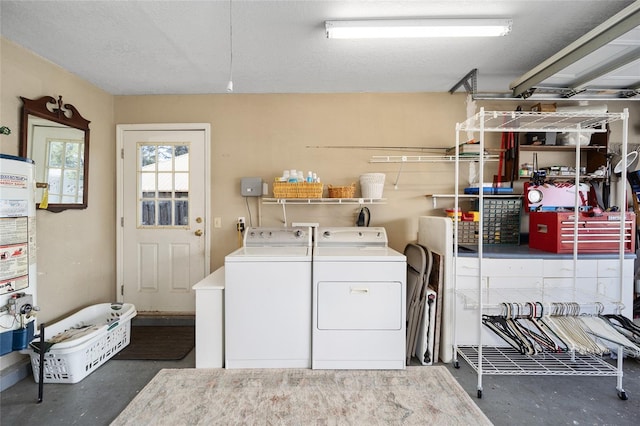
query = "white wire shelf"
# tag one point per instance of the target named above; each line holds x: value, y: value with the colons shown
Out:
x: 530, y: 121
x: 430, y: 158
x: 508, y: 361
x: 299, y: 201
x: 434, y: 197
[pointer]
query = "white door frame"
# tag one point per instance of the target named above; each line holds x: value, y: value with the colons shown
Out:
x: 120, y: 131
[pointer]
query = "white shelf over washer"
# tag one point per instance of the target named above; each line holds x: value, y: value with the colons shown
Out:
x: 324, y: 200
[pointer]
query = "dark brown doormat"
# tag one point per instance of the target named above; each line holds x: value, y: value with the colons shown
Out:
x: 167, y: 343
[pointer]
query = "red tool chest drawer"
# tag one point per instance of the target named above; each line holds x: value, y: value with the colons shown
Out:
x: 554, y: 231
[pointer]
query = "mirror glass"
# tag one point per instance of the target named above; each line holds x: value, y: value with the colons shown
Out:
x: 56, y: 137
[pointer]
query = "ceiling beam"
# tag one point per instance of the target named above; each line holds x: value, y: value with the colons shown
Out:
x: 619, y: 24
x: 607, y: 68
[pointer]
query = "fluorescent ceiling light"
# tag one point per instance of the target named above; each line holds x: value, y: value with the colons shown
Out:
x: 408, y: 28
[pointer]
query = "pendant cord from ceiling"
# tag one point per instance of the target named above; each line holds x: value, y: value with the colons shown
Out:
x: 230, y: 83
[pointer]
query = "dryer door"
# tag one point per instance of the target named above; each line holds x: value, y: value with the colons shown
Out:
x: 359, y: 305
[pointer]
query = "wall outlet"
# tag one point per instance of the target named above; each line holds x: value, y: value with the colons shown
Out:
x: 240, y: 219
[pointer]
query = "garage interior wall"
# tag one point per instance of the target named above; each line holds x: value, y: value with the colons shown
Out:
x: 251, y: 135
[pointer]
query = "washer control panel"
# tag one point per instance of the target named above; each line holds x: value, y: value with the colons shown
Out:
x: 262, y: 237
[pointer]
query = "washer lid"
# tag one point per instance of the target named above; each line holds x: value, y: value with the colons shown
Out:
x: 357, y: 254
x: 270, y: 254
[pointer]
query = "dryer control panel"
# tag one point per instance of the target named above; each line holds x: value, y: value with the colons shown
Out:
x: 351, y: 236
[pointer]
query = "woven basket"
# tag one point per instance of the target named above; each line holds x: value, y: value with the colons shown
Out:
x: 297, y: 190
x: 342, y: 191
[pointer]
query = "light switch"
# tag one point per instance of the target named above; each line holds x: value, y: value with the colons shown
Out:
x: 217, y: 222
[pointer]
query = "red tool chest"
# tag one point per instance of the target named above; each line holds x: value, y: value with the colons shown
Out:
x: 554, y: 232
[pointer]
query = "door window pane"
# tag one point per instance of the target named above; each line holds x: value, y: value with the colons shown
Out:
x: 148, y: 209
x: 182, y: 212
x: 163, y: 184
x: 164, y: 213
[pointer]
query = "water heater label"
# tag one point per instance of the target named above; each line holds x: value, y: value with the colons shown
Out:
x: 9, y: 180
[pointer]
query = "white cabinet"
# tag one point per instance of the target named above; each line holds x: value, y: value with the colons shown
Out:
x: 530, y: 279
x: 608, y: 283
x: 210, y: 320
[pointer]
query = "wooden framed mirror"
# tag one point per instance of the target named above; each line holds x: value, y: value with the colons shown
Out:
x: 56, y: 137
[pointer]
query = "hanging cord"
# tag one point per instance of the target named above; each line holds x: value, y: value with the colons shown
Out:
x: 230, y: 83
x: 246, y: 201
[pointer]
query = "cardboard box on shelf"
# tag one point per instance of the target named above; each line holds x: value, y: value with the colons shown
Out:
x: 539, y: 107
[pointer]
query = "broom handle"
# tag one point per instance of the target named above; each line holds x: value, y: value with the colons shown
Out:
x: 41, y: 366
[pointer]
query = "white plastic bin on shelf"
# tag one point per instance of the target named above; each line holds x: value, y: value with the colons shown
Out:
x: 372, y: 185
x: 83, y: 342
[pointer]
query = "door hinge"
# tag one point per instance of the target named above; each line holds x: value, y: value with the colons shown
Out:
x: 122, y: 221
x: 122, y: 153
x: 121, y: 289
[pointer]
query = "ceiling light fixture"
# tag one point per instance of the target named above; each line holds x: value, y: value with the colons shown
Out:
x: 416, y: 28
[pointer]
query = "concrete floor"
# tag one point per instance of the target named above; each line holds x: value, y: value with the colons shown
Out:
x: 555, y: 400
x: 506, y: 400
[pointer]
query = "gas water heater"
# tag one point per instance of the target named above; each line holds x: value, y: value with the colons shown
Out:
x: 17, y: 252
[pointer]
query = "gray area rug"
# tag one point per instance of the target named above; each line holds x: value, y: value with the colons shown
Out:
x: 415, y: 396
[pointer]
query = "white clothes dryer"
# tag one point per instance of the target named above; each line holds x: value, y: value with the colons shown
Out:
x: 268, y: 300
x: 359, y: 300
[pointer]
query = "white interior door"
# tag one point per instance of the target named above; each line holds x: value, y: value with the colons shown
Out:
x: 163, y: 188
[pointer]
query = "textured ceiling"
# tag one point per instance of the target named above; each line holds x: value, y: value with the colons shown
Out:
x: 183, y: 47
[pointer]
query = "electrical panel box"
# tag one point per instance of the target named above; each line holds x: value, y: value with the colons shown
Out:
x: 251, y: 186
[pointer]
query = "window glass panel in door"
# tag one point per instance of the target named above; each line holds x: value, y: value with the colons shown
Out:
x: 163, y: 176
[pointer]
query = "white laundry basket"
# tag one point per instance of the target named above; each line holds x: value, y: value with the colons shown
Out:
x: 88, y: 339
x: 372, y: 185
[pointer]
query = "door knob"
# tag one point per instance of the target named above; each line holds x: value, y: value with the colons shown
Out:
x: 198, y: 232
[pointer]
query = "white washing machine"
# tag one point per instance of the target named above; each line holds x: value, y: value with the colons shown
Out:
x: 268, y: 300
x: 359, y: 299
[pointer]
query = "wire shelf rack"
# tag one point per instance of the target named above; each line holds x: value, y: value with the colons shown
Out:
x: 530, y: 121
x: 508, y: 361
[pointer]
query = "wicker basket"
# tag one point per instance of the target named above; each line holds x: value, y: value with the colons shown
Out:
x: 342, y: 191
x: 297, y: 190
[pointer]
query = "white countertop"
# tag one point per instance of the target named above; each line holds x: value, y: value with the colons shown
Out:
x: 213, y: 281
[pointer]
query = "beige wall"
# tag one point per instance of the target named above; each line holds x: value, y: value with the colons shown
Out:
x: 261, y: 135
x: 75, y: 249
x: 252, y: 135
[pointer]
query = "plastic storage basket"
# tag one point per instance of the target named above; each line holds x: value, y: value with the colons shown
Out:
x: 88, y: 339
x: 372, y: 185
